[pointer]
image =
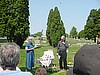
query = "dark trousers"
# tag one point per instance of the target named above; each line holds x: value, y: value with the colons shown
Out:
x: 62, y: 59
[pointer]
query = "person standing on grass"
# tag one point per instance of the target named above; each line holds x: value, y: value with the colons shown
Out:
x: 61, y: 51
x: 29, y: 53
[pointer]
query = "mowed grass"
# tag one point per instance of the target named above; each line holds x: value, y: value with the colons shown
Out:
x: 75, y: 46
x: 44, y: 47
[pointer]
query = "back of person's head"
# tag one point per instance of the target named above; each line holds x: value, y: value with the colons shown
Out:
x: 41, y: 71
x: 98, y: 41
x: 9, y: 55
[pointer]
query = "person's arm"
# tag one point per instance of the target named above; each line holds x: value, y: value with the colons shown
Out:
x: 35, y: 46
x: 58, y: 47
x: 66, y: 44
x: 27, y: 49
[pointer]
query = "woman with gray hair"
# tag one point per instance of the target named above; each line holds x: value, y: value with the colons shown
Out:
x: 10, y: 56
x: 29, y: 53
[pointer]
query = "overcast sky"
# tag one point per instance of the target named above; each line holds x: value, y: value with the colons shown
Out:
x: 72, y: 12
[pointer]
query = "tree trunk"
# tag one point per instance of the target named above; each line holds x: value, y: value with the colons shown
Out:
x: 95, y: 39
x: 50, y: 42
x: 18, y: 40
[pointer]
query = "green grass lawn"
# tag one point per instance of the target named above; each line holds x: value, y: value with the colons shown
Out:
x: 75, y: 46
x: 44, y: 47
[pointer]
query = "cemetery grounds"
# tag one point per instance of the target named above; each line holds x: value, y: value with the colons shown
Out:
x: 75, y: 45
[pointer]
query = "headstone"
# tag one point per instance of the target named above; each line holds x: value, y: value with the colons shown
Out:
x: 87, y: 60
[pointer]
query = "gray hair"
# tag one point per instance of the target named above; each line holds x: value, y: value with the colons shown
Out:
x: 30, y: 37
x: 62, y: 37
x: 9, y: 55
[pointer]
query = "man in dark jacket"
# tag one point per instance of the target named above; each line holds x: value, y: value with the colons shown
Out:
x: 61, y: 50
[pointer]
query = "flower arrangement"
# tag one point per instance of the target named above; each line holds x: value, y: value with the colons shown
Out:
x: 52, y: 68
x: 70, y: 63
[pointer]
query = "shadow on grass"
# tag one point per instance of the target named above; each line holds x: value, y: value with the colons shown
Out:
x: 29, y: 70
x: 50, y: 73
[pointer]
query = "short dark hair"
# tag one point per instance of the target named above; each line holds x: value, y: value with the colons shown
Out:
x: 41, y: 71
x: 98, y: 41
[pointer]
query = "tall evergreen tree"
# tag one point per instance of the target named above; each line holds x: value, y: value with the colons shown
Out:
x: 50, y: 21
x: 55, y: 27
x: 14, y: 20
x: 98, y: 23
x: 81, y: 34
x: 3, y: 17
x: 22, y: 13
x: 92, y: 27
x: 73, y: 32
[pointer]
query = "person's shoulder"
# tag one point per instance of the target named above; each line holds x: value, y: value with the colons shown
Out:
x: 28, y: 43
x: 59, y: 42
x: 26, y: 73
x: 23, y: 73
x: 14, y: 73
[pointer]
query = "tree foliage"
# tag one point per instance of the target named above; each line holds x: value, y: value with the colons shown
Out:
x: 38, y: 34
x: 92, y: 27
x: 73, y: 32
x: 55, y: 27
x: 81, y: 34
x: 14, y: 20
x: 49, y: 23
